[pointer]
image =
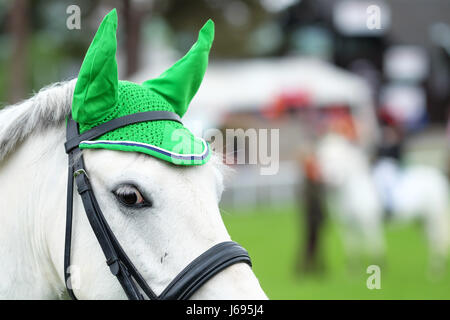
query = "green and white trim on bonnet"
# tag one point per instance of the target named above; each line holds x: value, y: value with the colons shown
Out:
x: 100, y: 97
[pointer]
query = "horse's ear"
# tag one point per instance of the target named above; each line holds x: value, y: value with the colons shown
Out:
x: 179, y: 83
x: 96, y: 89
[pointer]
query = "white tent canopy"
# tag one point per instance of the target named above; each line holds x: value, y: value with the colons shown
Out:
x: 253, y: 83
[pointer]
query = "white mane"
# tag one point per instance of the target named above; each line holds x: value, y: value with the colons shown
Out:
x: 48, y: 107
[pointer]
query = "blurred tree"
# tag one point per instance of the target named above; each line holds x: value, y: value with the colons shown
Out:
x: 18, y: 28
x: 235, y: 20
x: 133, y: 17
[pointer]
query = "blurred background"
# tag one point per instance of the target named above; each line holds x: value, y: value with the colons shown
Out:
x: 375, y: 72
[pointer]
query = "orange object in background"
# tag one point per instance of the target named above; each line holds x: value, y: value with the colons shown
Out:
x: 286, y: 101
x: 341, y: 121
x: 311, y: 168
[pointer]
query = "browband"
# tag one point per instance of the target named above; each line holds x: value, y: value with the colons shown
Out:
x: 106, y: 127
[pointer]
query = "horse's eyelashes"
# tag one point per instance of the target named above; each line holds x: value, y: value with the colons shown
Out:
x: 130, y: 196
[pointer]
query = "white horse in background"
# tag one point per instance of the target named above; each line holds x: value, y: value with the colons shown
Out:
x: 183, y: 222
x: 412, y: 193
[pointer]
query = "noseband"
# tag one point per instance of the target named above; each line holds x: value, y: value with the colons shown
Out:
x: 189, y: 280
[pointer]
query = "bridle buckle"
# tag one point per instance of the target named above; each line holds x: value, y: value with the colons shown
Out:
x: 114, y: 265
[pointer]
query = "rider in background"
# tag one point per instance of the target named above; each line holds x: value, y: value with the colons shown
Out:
x: 389, y: 158
x: 392, y: 137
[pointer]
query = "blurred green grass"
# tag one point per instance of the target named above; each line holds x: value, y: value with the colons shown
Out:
x: 274, y: 237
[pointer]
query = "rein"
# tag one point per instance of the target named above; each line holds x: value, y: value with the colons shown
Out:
x: 188, y: 281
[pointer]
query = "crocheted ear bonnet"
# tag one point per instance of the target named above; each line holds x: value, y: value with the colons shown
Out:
x: 100, y: 97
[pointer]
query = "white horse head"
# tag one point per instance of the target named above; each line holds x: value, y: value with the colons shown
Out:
x: 339, y: 159
x: 180, y: 222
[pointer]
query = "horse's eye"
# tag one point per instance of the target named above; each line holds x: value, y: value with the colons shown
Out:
x: 130, y: 196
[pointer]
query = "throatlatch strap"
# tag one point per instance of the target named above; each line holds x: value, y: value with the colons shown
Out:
x: 68, y: 237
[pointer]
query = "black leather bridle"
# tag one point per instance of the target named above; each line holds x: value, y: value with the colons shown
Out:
x: 190, y: 279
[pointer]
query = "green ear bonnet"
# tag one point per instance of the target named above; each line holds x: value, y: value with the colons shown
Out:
x: 100, y: 97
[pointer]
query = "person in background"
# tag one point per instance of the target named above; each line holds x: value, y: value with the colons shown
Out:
x: 312, y: 201
x: 392, y: 137
x: 388, y: 159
